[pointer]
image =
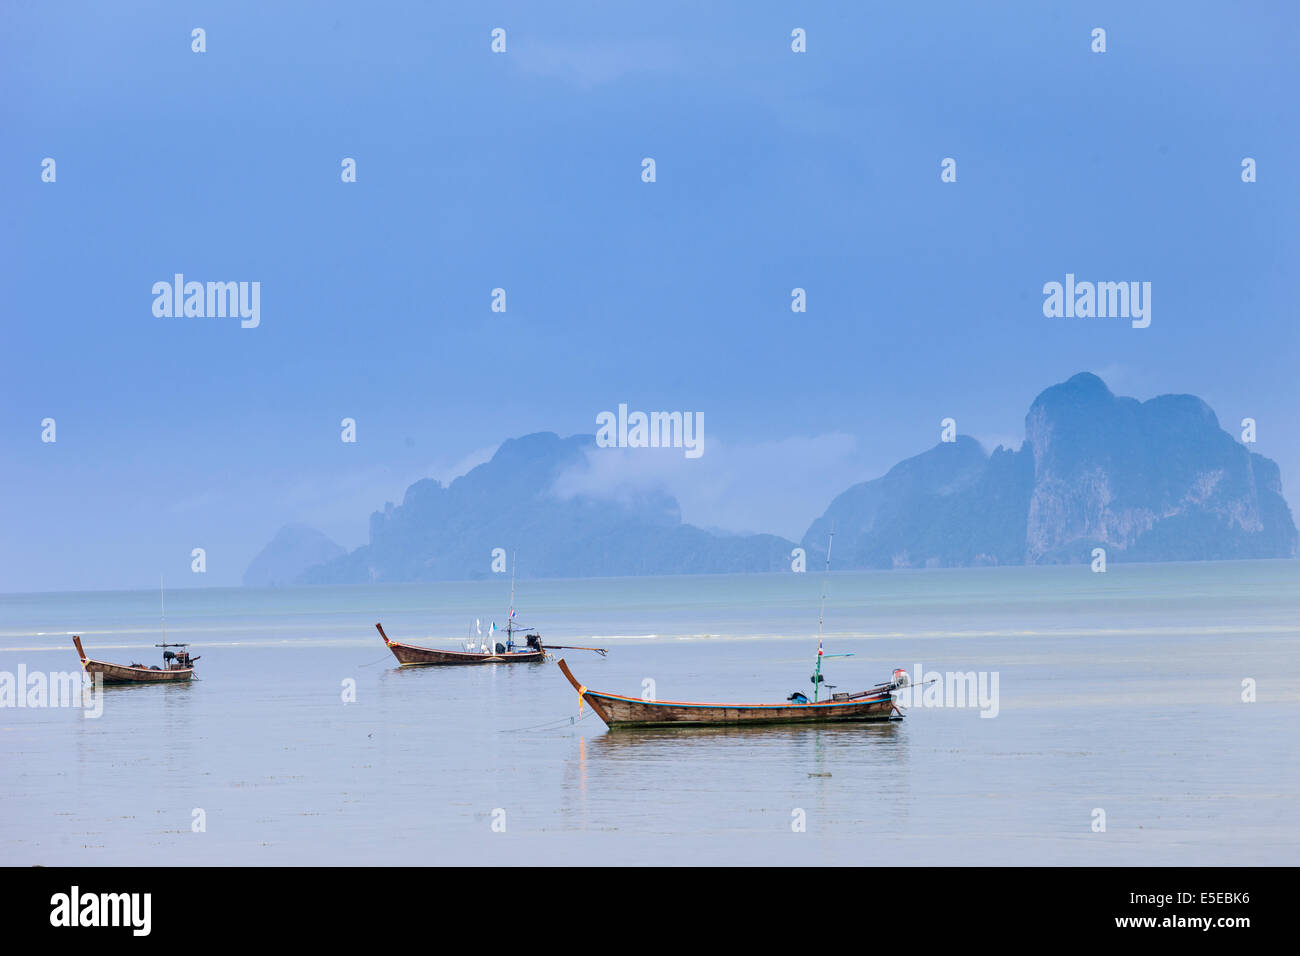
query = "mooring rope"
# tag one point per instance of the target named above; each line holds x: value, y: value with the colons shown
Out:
x: 553, y: 723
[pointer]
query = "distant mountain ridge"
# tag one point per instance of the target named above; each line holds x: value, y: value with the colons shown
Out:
x: 1148, y: 481
x: 509, y: 502
x: 289, y: 555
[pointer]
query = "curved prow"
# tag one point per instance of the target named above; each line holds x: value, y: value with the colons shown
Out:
x: 76, y: 639
x: 564, y: 669
x: 380, y: 628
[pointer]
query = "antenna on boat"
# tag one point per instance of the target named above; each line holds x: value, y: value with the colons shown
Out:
x: 510, y: 616
x: 817, y: 676
x: 162, y: 597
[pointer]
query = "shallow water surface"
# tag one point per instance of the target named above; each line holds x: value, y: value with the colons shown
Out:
x: 1120, y: 692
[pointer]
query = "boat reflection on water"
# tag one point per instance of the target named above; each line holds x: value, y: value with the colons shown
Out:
x: 681, y: 735
x: 739, y: 758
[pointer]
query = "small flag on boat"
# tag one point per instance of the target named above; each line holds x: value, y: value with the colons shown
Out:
x: 494, y: 628
x: 478, y: 625
x: 512, y: 612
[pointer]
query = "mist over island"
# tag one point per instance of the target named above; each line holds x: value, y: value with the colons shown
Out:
x: 1152, y: 481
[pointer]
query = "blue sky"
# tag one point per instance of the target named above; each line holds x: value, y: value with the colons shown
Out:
x: 522, y: 171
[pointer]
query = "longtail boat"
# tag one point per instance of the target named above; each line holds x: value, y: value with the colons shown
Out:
x: 177, y: 666
x: 618, y: 711
x: 533, y: 650
x: 876, y: 704
x: 489, y: 651
x: 411, y: 654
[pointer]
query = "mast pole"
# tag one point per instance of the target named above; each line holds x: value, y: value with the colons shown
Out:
x: 162, y: 597
x: 510, y: 617
x: 817, y: 683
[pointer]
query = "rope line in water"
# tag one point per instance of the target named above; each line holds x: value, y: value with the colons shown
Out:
x: 553, y: 723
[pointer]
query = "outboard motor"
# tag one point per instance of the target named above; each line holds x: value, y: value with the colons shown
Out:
x: 901, y: 678
x: 535, y: 642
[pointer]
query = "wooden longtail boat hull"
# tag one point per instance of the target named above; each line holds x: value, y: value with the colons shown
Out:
x: 411, y: 655
x: 618, y: 711
x: 125, y: 674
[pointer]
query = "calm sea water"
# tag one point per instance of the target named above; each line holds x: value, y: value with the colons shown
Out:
x: 1118, y: 691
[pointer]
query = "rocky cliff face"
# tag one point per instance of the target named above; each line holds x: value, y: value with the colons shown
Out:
x: 1151, y: 481
x: 1148, y: 481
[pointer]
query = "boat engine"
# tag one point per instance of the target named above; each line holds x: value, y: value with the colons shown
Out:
x: 535, y: 642
x: 901, y: 678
